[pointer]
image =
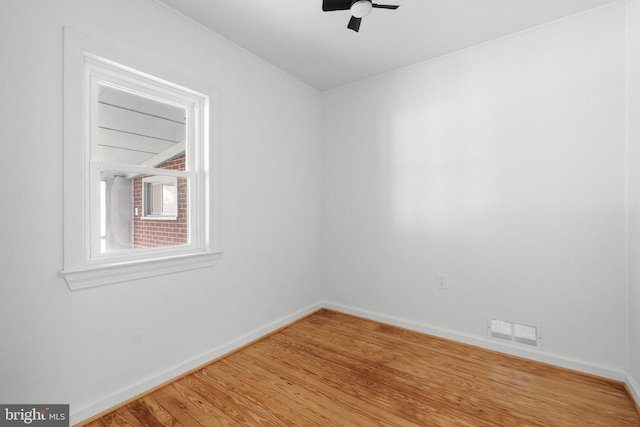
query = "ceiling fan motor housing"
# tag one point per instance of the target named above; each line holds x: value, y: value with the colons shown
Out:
x: 361, y: 8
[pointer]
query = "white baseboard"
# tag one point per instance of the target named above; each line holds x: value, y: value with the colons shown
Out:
x: 482, y: 342
x: 634, y: 389
x: 80, y: 414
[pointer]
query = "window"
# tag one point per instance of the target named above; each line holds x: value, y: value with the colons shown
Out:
x: 160, y: 197
x: 140, y: 196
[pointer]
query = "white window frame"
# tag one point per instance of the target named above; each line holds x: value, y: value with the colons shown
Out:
x: 86, y: 63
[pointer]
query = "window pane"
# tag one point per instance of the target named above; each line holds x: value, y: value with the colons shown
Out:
x: 103, y: 210
x: 142, y: 211
x: 155, y: 203
x: 116, y: 218
x: 138, y: 130
x: 169, y: 199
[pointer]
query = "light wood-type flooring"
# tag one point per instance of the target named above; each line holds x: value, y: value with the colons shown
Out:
x: 332, y: 369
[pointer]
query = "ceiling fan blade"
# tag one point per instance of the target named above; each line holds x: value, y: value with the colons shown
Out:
x: 354, y: 24
x: 385, y: 6
x: 331, y: 5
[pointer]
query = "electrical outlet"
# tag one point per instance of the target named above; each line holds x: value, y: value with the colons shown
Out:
x: 441, y: 281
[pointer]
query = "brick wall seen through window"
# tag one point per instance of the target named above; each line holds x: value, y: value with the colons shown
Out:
x: 151, y: 233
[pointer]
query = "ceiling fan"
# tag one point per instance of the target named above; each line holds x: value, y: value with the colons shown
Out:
x: 359, y: 9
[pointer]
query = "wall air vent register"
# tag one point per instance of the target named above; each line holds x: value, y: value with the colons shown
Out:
x: 513, y: 332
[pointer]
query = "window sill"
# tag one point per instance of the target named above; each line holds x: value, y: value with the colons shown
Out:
x: 159, y: 218
x: 93, y: 276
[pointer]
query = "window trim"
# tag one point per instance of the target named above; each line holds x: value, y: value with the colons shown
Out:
x: 81, y: 268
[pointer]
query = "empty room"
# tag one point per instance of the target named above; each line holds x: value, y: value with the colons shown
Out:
x: 320, y: 212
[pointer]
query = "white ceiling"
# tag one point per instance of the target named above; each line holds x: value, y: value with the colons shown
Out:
x: 317, y: 48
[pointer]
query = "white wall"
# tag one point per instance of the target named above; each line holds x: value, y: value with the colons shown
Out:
x: 633, y: 162
x: 503, y: 167
x: 95, y: 347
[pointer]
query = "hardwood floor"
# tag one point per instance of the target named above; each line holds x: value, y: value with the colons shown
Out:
x: 332, y: 369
